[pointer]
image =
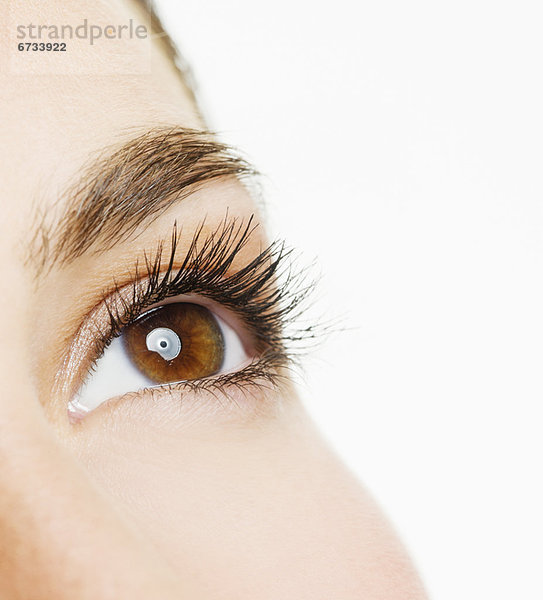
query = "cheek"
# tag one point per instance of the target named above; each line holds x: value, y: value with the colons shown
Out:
x: 241, y: 507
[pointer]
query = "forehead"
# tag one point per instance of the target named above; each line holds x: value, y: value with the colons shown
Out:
x: 62, y: 108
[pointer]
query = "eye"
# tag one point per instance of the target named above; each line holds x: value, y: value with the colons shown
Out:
x: 179, y: 341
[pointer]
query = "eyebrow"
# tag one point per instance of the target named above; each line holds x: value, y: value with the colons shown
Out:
x: 130, y: 186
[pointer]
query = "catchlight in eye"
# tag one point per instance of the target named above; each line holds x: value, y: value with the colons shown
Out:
x: 164, y: 341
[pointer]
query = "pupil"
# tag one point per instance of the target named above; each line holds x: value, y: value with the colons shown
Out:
x: 163, y: 344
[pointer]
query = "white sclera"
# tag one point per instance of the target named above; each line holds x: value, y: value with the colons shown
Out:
x: 165, y: 342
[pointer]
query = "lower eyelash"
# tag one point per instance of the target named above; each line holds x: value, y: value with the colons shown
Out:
x: 264, y: 372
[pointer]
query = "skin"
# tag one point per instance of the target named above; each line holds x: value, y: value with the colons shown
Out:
x: 173, y: 497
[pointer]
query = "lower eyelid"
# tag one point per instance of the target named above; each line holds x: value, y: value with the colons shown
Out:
x: 178, y: 409
x: 251, y: 391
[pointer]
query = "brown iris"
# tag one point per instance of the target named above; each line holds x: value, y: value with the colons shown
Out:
x: 175, y: 342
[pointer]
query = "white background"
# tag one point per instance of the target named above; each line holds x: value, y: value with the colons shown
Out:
x: 403, y: 143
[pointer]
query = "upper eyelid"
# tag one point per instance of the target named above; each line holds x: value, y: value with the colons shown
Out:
x: 204, y: 270
x: 124, y: 291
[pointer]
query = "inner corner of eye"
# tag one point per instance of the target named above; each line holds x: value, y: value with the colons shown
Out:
x: 170, y: 343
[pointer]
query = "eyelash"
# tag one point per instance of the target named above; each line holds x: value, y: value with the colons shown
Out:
x: 265, y: 294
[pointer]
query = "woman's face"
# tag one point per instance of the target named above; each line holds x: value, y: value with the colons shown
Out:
x: 217, y: 488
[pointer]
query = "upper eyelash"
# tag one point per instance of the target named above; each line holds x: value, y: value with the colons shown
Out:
x: 265, y: 293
